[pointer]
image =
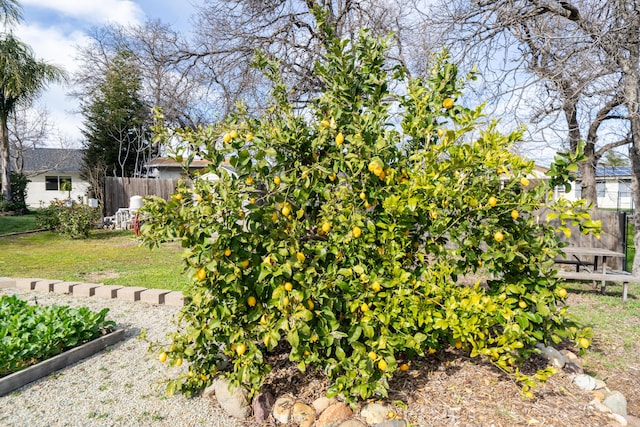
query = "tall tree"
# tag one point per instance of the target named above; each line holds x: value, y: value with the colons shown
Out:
x: 548, y: 53
x: 22, y: 78
x: 230, y: 32
x: 10, y: 12
x: 116, y: 121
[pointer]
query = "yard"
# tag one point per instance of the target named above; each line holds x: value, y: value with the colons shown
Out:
x: 117, y: 258
x: 106, y: 257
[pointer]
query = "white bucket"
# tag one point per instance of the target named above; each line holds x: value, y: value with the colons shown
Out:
x: 135, y: 203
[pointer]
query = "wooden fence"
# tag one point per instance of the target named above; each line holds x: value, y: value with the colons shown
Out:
x: 118, y: 191
x: 612, y: 237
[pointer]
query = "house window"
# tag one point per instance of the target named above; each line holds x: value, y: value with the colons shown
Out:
x: 625, y: 189
x: 55, y: 183
x: 601, y: 189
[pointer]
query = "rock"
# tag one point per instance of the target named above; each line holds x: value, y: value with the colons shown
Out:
x: 374, y: 413
x: 597, y: 405
x: 262, y: 404
x: 322, y: 403
x: 282, y: 408
x: 616, y: 402
x: 600, y: 385
x: 585, y: 382
x: 573, y: 368
x: 392, y: 423
x: 555, y: 358
x: 303, y: 414
x: 570, y: 357
x: 632, y: 421
x: 334, y: 415
x: 619, y: 419
x: 235, y: 403
x: 352, y: 423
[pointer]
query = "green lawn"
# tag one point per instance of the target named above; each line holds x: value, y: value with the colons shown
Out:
x: 15, y: 223
x: 112, y: 258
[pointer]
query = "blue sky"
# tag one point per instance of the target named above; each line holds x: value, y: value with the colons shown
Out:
x: 54, y: 29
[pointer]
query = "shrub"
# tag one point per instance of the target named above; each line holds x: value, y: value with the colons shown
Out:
x: 18, y: 195
x: 74, y: 220
x: 347, y: 232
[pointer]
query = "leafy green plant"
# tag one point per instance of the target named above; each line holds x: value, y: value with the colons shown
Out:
x: 346, y: 230
x: 75, y: 220
x: 32, y: 333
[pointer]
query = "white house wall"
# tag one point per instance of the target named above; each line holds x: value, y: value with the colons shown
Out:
x: 38, y: 196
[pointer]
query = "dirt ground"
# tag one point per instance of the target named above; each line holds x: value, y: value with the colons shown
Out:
x: 451, y: 389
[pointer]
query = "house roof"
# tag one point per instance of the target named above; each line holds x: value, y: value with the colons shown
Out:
x: 165, y: 162
x: 613, y: 171
x: 60, y: 160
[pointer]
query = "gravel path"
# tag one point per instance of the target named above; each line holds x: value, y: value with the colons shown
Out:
x: 121, y: 386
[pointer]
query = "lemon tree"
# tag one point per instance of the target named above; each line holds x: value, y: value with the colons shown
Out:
x: 352, y: 232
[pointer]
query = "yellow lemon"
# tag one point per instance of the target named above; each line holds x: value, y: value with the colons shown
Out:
x: 201, y: 274
x: 300, y: 257
x: 277, y: 180
x: 178, y: 361
x: 227, y: 252
x: 249, y: 180
x: 356, y: 231
x: 233, y: 134
x: 178, y: 196
x: 288, y: 286
x: 522, y: 304
x: 382, y: 365
x: 562, y: 292
x: 286, y: 210
x: 498, y: 236
x: 584, y: 343
x: 204, y: 377
x: 226, y: 138
x: 286, y: 301
x: 458, y: 345
x: 404, y: 367
x: 326, y: 227
x: 251, y: 301
x: 240, y: 349
x: 364, y: 307
x: 244, y: 264
x: 325, y: 123
x: 274, y: 217
x: 524, y: 182
x: 310, y: 304
x: 162, y: 357
x: 198, y: 198
x: 314, y: 338
x: 447, y: 103
x: 515, y: 214
x: 249, y: 137
x: 372, y: 355
x: 252, y: 200
x: 375, y: 287
x: 440, y: 132
x: 492, y: 201
x: 339, y: 139
x: 363, y: 196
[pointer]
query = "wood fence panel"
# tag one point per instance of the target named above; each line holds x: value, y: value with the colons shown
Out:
x: 118, y: 191
x: 612, y: 236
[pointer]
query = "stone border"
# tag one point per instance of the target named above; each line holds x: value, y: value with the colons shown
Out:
x: 21, y: 378
x: 94, y: 290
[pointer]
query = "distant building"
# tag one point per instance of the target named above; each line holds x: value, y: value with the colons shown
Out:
x: 167, y: 168
x: 54, y: 173
x: 613, y: 186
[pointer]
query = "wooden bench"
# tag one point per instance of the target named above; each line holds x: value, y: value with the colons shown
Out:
x: 586, y: 276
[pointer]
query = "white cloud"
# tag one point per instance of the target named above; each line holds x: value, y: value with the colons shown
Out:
x: 53, y: 45
x: 95, y: 12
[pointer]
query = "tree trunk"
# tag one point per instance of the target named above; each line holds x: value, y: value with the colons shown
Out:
x: 588, y: 182
x: 631, y: 82
x: 4, y: 159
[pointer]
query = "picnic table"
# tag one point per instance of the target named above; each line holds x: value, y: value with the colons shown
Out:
x: 599, y: 258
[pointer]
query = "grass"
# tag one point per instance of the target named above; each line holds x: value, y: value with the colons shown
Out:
x: 16, y: 223
x: 112, y: 258
x: 616, y: 325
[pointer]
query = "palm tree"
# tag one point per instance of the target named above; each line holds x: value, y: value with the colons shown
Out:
x: 22, y: 77
x: 10, y: 12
